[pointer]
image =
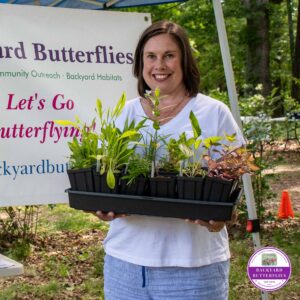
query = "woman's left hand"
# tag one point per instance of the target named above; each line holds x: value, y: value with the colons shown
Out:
x: 212, y: 226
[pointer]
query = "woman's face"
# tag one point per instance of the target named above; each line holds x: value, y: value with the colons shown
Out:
x: 162, y: 64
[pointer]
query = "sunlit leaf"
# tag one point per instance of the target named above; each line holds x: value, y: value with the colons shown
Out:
x: 110, y: 179
x: 66, y: 123
x: 195, y: 125
x: 186, y: 150
x: 99, y: 108
x: 230, y: 138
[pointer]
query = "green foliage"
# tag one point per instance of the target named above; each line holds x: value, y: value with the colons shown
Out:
x: 195, y: 125
x: 72, y: 220
x: 220, y: 95
x: 191, y: 146
x: 177, y: 152
x: 46, y: 291
x: 20, y: 249
x: 197, y: 17
x: 83, y: 151
x: 64, y: 218
x: 194, y: 169
x: 18, y: 226
x: 186, y: 152
x: 116, y: 145
x: 138, y: 166
x: 155, y: 139
x: 116, y: 148
x: 259, y: 134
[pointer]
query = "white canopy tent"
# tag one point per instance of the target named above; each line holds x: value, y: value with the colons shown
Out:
x: 106, y: 4
x: 90, y: 4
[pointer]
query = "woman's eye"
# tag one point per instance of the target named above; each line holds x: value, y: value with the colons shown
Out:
x: 169, y: 55
x: 150, y: 56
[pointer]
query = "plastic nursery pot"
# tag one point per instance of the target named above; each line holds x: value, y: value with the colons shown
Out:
x: 163, y: 186
x: 190, y: 187
x: 217, y: 190
x: 101, y: 184
x: 81, y: 179
x: 163, y: 173
x: 138, y: 187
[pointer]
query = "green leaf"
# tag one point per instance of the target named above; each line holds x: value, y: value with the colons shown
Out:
x: 157, y: 92
x: 102, y: 169
x: 110, y: 179
x: 195, y: 125
x: 230, y: 138
x: 156, y: 125
x: 120, y: 105
x: 128, y: 133
x: 77, y: 119
x: 66, y: 123
x: 186, y: 150
x: 99, y: 109
x: 212, y: 141
x: 197, y: 144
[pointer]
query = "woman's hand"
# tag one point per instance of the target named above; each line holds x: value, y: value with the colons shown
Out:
x: 108, y: 216
x: 212, y: 226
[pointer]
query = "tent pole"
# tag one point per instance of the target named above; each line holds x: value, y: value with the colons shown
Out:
x: 250, y: 201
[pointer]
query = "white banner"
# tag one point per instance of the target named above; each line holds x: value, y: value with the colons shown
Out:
x: 54, y: 64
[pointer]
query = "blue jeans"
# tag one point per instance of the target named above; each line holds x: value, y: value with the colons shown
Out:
x: 126, y: 281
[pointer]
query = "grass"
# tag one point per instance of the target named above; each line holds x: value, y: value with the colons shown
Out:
x: 67, y: 261
x: 63, y: 218
x: 25, y: 291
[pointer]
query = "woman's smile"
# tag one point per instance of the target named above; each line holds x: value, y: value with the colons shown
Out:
x: 160, y: 77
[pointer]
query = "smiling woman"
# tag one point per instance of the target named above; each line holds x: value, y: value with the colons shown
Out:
x: 166, y: 258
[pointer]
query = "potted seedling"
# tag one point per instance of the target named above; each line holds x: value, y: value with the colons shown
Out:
x: 112, y: 153
x: 224, y: 173
x: 84, y: 149
x: 116, y: 146
x: 135, y: 179
x: 191, y: 178
x: 162, y: 183
x: 196, y: 183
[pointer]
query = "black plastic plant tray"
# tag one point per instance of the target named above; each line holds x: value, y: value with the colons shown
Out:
x: 153, y: 206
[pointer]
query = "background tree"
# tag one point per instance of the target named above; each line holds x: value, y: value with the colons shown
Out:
x: 259, y: 34
x: 296, y: 63
x: 258, y: 44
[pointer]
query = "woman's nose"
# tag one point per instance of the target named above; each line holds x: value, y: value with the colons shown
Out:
x: 160, y: 64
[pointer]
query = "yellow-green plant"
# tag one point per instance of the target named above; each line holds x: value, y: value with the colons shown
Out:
x: 85, y: 148
x: 138, y: 166
x: 155, y: 139
x: 193, y: 149
x: 116, y: 145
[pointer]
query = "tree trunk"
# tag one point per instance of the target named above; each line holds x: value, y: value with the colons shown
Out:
x: 296, y: 63
x: 258, y: 53
x: 289, y: 7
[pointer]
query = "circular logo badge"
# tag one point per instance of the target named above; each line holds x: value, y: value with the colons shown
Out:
x: 269, y: 269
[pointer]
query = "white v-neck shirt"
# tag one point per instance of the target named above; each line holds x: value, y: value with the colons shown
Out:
x: 161, y: 242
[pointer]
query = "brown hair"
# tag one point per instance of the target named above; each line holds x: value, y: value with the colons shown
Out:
x: 191, y: 76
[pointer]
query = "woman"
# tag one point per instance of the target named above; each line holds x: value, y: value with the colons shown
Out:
x: 165, y: 258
